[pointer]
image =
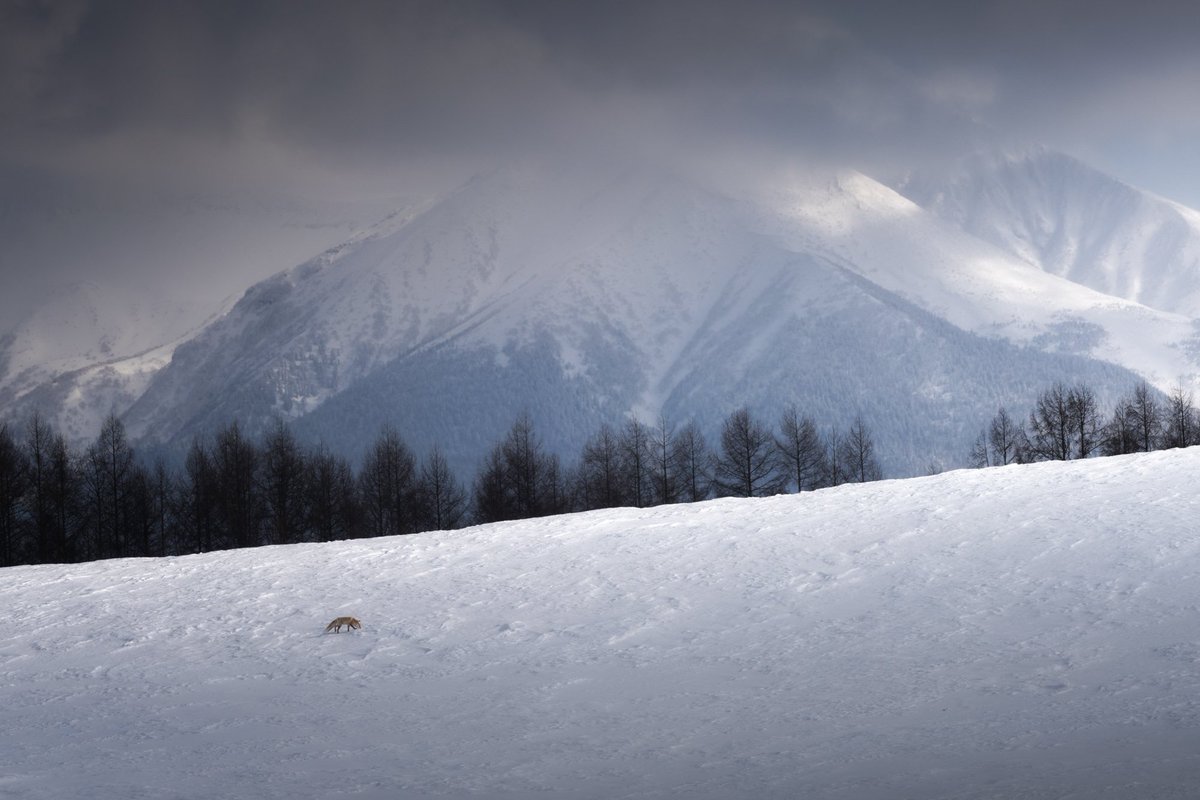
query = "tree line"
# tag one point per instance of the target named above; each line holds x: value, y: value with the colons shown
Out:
x: 58, y: 505
x: 636, y: 464
x: 62, y: 505
x: 1066, y: 422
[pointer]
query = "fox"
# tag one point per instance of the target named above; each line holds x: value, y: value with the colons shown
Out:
x: 336, y: 626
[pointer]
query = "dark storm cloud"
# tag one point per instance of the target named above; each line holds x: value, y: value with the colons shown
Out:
x: 279, y: 85
x: 412, y: 78
x: 304, y: 99
x: 418, y: 78
x: 1082, y: 75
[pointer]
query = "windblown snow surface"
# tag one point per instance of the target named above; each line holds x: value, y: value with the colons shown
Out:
x: 1019, y: 632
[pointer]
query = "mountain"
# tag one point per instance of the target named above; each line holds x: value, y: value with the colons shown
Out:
x: 161, y: 265
x: 582, y: 295
x: 1019, y: 632
x: 1071, y: 220
x: 83, y: 353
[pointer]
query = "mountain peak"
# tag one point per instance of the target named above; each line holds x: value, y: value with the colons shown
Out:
x: 1071, y: 220
x: 584, y: 293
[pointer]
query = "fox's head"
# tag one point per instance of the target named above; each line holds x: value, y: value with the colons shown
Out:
x: 354, y: 623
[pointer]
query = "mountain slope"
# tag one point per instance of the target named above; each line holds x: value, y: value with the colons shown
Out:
x: 584, y: 294
x: 581, y: 296
x: 160, y: 264
x: 1013, y: 632
x: 84, y: 353
x: 894, y: 243
x: 1074, y: 221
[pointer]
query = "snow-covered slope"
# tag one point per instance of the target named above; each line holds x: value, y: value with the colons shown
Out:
x: 892, y: 242
x: 582, y: 295
x: 81, y: 325
x: 1074, y: 221
x: 1014, y: 632
x: 157, y: 265
x: 85, y: 352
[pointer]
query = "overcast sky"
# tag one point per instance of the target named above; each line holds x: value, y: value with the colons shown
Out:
x: 292, y: 98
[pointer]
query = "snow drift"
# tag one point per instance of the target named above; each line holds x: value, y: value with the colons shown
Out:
x: 1014, y: 632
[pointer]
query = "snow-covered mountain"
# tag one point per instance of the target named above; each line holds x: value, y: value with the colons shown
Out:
x: 1019, y: 632
x: 83, y: 353
x: 1073, y: 221
x: 160, y: 266
x: 581, y: 295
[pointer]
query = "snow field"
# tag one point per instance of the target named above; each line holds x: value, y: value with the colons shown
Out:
x: 1016, y: 632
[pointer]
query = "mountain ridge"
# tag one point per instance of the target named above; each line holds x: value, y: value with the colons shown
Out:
x: 1071, y: 220
x: 585, y: 295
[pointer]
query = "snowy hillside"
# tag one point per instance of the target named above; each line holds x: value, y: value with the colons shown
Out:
x: 895, y: 244
x: 85, y: 352
x: 81, y: 325
x: 160, y: 265
x: 1074, y: 221
x: 582, y: 296
x: 1015, y: 632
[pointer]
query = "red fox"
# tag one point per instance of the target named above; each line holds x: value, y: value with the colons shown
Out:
x: 336, y: 625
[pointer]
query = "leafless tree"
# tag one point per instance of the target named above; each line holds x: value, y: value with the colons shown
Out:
x: 63, y: 501
x: 1146, y: 417
x: 661, y: 465
x: 1085, y: 416
x: 386, y: 486
x: 332, y: 507
x: 857, y: 453
x: 39, y: 438
x: 149, y: 510
x: 490, y: 499
x: 692, y: 463
x: 1065, y: 423
x: 1182, y: 425
x: 441, y: 498
x: 282, y: 485
x: 601, y: 469
x: 634, y: 444
x: 1007, y: 438
x: 835, y: 468
x: 235, y: 461
x: 196, y: 500
x: 14, y: 473
x: 800, y: 449
x: 525, y: 464
x: 1121, y: 434
x: 1051, y: 425
x: 979, y: 457
x: 748, y: 465
x: 108, y: 474
x: 518, y: 480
